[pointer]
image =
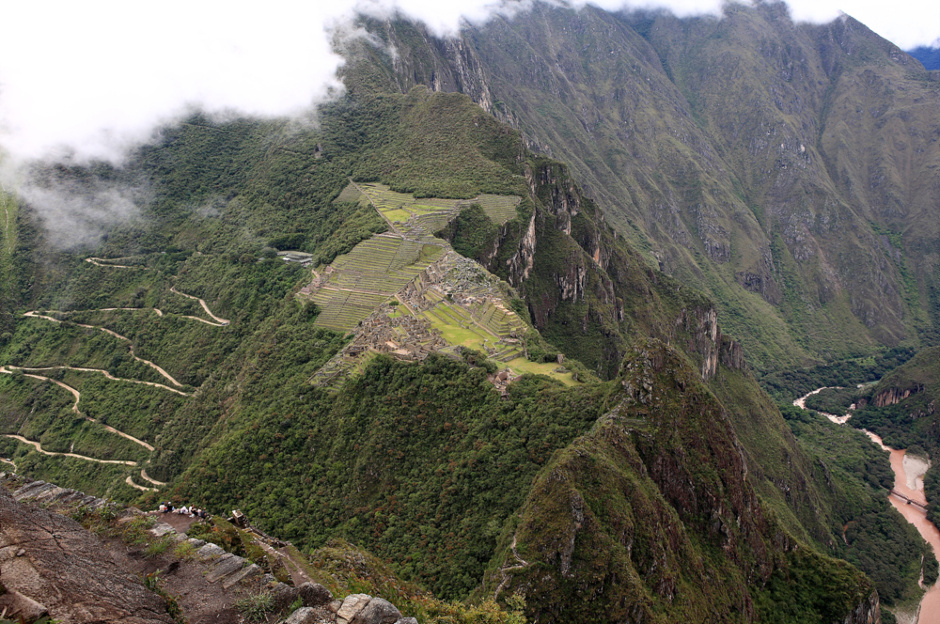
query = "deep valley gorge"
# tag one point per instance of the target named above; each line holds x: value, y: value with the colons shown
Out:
x: 568, y: 315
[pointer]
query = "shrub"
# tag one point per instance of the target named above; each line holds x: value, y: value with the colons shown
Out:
x: 158, y: 547
x: 185, y: 551
x: 255, y: 607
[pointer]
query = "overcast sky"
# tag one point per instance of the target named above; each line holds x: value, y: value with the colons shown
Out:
x: 95, y: 74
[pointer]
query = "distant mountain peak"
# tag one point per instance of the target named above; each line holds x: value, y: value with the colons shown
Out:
x: 928, y: 55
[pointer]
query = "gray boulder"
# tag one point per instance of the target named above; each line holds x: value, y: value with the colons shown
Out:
x: 314, y: 594
x: 303, y: 615
x: 351, y: 607
x: 284, y: 596
x: 210, y: 551
x: 227, y: 565
x: 378, y: 611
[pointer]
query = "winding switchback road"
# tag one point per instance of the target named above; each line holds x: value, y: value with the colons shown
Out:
x: 78, y: 397
x: 169, y: 377
x: 219, y: 322
x: 130, y: 481
x: 98, y: 262
x: 39, y: 448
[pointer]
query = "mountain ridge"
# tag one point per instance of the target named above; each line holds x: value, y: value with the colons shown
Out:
x: 784, y: 210
x: 671, y: 463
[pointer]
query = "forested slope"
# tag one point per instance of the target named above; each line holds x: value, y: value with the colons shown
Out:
x: 183, y: 330
x: 787, y: 170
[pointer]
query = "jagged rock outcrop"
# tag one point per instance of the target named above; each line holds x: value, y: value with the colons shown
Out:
x: 867, y: 612
x: 49, y: 560
x: 706, y: 339
x: 625, y: 511
x: 771, y: 166
x: 521, y: 263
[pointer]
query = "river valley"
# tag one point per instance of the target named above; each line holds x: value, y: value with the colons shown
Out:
x: 908, y: 498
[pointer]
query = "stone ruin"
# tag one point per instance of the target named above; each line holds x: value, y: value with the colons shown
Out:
x: 408, y: 336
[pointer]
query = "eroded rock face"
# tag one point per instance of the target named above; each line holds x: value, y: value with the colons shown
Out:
x: 52, y: 561
x: 893, y: 396
x: 867, y: 612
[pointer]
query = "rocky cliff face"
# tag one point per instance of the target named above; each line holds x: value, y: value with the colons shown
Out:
x: 867, y: 612
x: 50, y: 565
x: 893, y: 396
x: 651, y: 517
x: 764, y: 154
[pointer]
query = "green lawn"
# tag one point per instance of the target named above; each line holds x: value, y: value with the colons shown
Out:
x: 397, y: 215
x: 522, y: 365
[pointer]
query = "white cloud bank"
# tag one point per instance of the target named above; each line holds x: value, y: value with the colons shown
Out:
x: 94, y: 76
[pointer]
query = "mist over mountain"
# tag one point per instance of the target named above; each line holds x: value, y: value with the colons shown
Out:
x: 510, y: 324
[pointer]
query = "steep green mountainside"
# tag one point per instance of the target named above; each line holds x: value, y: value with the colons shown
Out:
x: 900, y: 407
x: 788, y: 171
x: 666, y: 456
x: 178, y: 357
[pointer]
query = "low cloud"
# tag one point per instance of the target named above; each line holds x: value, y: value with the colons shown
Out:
x: 91, y: 80
x: 95, y: 77
x: 77, y: 214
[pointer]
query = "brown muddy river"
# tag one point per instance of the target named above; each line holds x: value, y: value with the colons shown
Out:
x: 909, y: 483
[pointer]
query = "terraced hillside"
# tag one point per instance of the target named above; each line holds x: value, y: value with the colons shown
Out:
x: 447, y: 302
x: 356, y: 284
x: 420, y: 218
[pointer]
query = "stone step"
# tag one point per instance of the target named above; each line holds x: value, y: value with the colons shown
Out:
x: 245, y: 574
x: 50, y: 494
x: 210, y: 551
x: 227, y: 565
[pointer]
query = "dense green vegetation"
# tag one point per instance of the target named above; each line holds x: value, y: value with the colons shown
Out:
x: 870, y: 534
x: 471, y: 232
x: 810, y: 588
x: 8, y: 280
x: 788, y: 385
x: 441, y: 463
x: 693, y: 493
x: 833, y: 400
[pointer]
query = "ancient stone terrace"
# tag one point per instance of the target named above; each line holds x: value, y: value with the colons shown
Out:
x: 453, y: 303
x: 388, y: 330
x: 408, y: 294
x: 351, y: 289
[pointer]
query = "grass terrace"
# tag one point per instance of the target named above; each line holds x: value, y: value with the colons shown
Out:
x: 368, y: 276
x: 499, y: 208
x: 350, y: 194
x: 427, y: 215
x: 522, y: 365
